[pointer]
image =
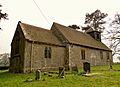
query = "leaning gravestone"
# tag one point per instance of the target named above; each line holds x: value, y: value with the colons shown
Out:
x: 38, y: 72
x: 61, y: 72
x: 86, y: 67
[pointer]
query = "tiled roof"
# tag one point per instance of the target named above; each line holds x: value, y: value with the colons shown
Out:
x: 79, y: 38
x: 38, y: 34
x: 42, y: 35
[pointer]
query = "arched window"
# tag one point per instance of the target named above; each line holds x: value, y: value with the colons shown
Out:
x: 107, y: 54
x: 45, y: 52
x: 83, y: 54
x: 101, y: 55
x: 48, y: 52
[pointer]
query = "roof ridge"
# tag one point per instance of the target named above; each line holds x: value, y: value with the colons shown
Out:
x: 38, y: 34
x: 68, y: 27
x: 78, y: 37
x: 35, y: 27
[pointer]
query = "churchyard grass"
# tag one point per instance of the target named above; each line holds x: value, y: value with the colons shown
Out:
x: 104, y: 78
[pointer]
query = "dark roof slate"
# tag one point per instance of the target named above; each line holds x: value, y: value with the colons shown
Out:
x: 76, y: 37
x: 37, y: 34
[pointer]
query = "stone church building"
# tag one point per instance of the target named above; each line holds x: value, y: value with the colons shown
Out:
x: 35, y: 48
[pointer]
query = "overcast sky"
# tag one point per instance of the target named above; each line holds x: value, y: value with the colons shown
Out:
x: 65, y: 12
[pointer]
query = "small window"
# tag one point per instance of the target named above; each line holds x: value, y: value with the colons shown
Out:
x: 107, y: 56
x: 45, y: 52
x: 48, y: 52
x: 101, y: 54
x: 83, y: 54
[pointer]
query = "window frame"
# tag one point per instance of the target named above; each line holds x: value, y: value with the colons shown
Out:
x: 101, y: 55
x: 47, y: 52
x: 83, y: 54
x: 107, y: 55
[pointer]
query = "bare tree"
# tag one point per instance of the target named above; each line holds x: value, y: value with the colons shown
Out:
x: 95, y: 21
x: 3, y: 15
x: 118, y: 58
x: 113, y: 35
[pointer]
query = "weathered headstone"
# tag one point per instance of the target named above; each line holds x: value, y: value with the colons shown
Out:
x: 86, y: 67
x: 61, y: 72
x: 38, y: 72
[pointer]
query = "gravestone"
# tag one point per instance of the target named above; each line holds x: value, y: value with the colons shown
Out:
x: 86, y: 67
x: 61, y: 72
x: 38, y: 72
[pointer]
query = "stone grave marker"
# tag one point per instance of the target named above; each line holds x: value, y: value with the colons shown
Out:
x: 86, y: 67
x: 38, y: 73
x: 61, y: 72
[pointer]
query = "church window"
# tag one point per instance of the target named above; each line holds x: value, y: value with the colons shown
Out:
x: 83, y: 54
x: 45, y: 52
x: 101, y: 54
x: 48, y: 52
x: 107, y: 54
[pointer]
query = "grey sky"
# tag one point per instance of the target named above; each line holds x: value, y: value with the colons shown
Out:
x: 66, y: 12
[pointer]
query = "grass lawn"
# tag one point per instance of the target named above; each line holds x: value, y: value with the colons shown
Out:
x: 107, y: 78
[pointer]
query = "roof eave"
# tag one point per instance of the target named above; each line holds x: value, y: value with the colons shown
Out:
x: 90, y: 47
x: 37, y: 42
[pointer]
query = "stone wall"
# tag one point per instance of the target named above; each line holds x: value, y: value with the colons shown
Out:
x: 17, y: 58
x: 93, y: 56
x: 27, y: 56
x: 35, y: 57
